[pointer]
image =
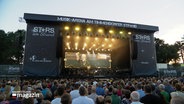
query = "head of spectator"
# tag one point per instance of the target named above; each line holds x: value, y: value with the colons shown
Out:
x: 59, y: 91
x: 178, y: 87
x: 93, y: 89
x: 127, y: 94
x: 108, y: 100
x: 40, y: 97
x: 138, y: 86
x: 82, y: 91
x: 99, y: 84
x: 76, y: 86
x: 29, y: 100
x: 166, y: 82
x: 135, y: 96
x: 115, y: 91
x: 44, y: 85
x: 147, y: 89
x: 45, y: 102
x: 177, y: 100
x: 2, y: 97
x: 100, y: 100
x: 161, y: 87
x: 66, y: 99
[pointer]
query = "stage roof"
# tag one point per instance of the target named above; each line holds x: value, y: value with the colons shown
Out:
x: 54, y: 18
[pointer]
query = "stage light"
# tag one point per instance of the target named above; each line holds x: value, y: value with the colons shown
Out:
x: 110, y: 45
x: 89, y: 29
x: 129, y: 33
x: 96, y: 49
x: 108, y: 49
x: 112, y: 39
x: 67, y: 43
x: 94, y: 45
x: 68, y: 36
x: 65, y: 59
x: 96, y: 38
x: 90, y: 49
x: 75, y: 48
x: 103, y: 45
x: 111, y: 31
x: 87, y: 37
x: 83, y: 48
x: 76, y: 44
x: 106, y: 39
x: 88, y: 67
x: 77, y: 28
x: 100, y: 30
x: 85, y: 44
x: 66, y: 28
x: 121, y: 32
x: 77, y: 37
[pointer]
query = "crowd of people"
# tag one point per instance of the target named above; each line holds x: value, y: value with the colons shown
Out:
x: 150, y: 90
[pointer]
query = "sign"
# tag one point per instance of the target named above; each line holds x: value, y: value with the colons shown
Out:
x: 35, y: 58
x: 97, y: 22
x: 142, y: 38
x: 43, y: 31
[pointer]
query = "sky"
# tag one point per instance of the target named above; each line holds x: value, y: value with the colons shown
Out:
x: 168, y: 15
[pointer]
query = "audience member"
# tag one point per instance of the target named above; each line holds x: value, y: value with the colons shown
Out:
x: 100, y: 100
x: 82, y: 99
x: 135, y: 97
x: 66, y: 99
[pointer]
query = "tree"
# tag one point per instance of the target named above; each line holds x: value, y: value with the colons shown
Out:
x: 12, y: 47
x: 180, y: 46
x: 165, y: 52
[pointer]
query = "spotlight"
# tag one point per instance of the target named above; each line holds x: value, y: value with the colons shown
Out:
x: 87, y: 37
x: 66, y: 28
x: 94, y: 45
x: 110, y: 45
x: 77, y: 37
x: 129, y: 33
x: 103, y: 45
x: 85, y: 44
x: 96, y: 38
x: 111, y: 31
x: 68, y: 36
x: 77, y: 28
x: 100, y: 30
x: 121, y: 32
x: 106, y: 39
x: 112, y: 39
x: 89, y: 29
x: 67, y: 43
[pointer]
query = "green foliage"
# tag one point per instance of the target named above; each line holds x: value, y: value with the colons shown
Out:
x: 165, y: 52
x: 11, y: 47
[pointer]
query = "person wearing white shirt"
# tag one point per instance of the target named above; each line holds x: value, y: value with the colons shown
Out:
x: 82, y: 99
x: 75, y: 93
x: 58, y: 93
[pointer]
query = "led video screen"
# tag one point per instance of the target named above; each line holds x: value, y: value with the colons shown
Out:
x: 87, y: 60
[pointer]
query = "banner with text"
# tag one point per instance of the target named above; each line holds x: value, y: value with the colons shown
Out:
x: 40, y: 50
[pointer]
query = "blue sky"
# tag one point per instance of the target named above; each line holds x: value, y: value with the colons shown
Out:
x: 167, y: 14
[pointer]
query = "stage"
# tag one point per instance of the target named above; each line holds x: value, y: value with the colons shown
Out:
x: 70, y: 46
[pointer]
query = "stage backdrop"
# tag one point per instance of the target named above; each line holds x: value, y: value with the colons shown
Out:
x: 143, y: 54
x: 40, y: 51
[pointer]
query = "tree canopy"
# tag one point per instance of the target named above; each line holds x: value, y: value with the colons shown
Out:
x: 165, y: 52
x: 12, y: 47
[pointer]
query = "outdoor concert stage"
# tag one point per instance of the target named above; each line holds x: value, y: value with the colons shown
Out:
x: 71, y: 46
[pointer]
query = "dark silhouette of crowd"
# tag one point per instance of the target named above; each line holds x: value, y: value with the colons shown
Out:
x: 149, y: 90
